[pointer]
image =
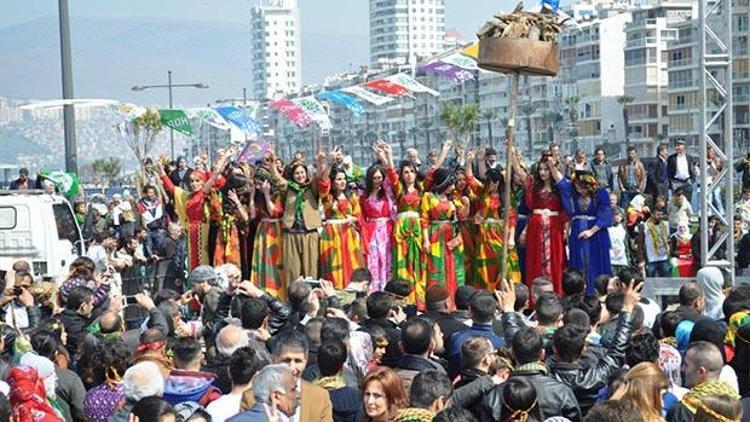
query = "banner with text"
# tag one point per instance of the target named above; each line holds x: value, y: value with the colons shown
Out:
x: 177, y: 120
x: 315, y: 110
x: 368, y: 96
x: 293, y: 112
x: 343, y: 99
x: 408, y: 82
x: 239, y: 118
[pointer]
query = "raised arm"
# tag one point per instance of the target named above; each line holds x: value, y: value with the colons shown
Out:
x: 516, y: 164
x: 217, y: 172
x: 447, y: 145
x: 554, y: 171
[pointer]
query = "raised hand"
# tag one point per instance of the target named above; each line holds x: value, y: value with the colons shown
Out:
x: 232, y: 195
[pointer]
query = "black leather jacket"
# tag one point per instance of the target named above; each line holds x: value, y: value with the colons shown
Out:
x: 555, y: 398
x: 587, y: 377
x: 280, y: 312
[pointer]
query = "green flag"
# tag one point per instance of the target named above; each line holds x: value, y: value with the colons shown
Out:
x: 177, y: 120
x: 65, y: 183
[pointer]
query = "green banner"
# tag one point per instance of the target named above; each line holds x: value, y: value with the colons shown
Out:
x: 66, y: 183
x: 177, y: 120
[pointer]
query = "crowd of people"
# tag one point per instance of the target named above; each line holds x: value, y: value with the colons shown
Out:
x: 323, y: 291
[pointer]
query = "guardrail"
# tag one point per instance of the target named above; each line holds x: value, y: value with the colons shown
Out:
x: 659, y: 289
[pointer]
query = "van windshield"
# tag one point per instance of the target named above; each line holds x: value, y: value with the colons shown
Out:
x: 66, y: 223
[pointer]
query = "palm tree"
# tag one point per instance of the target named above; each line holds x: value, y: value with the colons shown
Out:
x: 401, y: 137
x: 426, y: 125
x: 526, y: 110
x: 624, y: 100
x: 413, y: 133
x: 107, y: 170
x: 462, y: 122
x: 572, y: 103
x: 552, y: 119
x: 141, y: 133
x: 489, y: 116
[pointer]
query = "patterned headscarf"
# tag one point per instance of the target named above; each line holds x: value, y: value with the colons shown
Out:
x: 736, y: 321
x: 28, y: 397
x: 586, y: 178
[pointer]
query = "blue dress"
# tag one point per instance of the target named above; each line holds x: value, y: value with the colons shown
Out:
x: 588, y: 255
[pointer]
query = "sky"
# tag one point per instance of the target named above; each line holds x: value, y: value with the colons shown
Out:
x: 317, y: 15
x: 34, y: 73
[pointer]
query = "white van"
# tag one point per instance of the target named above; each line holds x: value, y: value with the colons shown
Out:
x: 39, y: 228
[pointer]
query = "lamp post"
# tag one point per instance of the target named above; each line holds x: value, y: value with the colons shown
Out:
x: 169, y: 87
x: 69, y: 117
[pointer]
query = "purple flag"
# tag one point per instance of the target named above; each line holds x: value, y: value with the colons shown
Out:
x: 449, y: 71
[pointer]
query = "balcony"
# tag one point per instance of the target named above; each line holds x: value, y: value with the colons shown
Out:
x: 640, y: 42
x: 682, y: 62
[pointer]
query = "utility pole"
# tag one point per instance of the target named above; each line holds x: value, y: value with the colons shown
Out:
x: 171, y: 131
x: 69, y: 117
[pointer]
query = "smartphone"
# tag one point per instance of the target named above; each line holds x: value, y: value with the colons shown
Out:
x: 312, y: 282
x: 17, y: 290
x: 129, y: 301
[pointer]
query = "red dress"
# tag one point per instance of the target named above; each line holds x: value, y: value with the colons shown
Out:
x: 545, y: 244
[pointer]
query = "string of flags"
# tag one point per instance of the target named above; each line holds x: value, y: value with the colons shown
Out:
x: 458, y: 66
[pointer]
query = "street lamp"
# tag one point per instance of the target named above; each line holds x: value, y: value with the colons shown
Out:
x: 169, y: 86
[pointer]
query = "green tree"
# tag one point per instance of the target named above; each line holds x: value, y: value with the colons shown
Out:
x: 552, y: 120
x: 426, y: 125
x: 624, y: 100
x: 106, y: 170
x: 489, y: 116
x: 142, y: 132
x: 462, y: 122
x: 572, y: 103
x: 526, y: 110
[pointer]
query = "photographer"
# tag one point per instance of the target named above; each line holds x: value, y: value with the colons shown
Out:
x: 744, y: 168
x: 17, y: 303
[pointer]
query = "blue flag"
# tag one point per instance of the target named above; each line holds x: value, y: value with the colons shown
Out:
x: 239, y: 118
x: 344, y: 99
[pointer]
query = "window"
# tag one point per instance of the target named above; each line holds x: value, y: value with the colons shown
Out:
x: 66, y: 223
x: 7, y: 218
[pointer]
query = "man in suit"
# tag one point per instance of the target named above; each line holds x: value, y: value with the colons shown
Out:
x: 275, y: 392
x: 290, y: 349
x: 657, y: 181
x: 680, y: 170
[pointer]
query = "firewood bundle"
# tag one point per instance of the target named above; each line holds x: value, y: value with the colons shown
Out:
x: 520, y: 24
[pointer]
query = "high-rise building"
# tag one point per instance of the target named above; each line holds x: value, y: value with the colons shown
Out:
x: 276, y: 48
x: 646, y: 59
x: 401, y: 31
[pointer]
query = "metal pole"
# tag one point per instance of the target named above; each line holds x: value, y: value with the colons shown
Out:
x: 703, y: 134
x: 69, y: 117
x: 510, y: 132
x: 171, y: 131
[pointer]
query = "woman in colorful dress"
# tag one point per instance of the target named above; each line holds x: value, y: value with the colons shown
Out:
x: 491, y: 222
x: 192, y: 209
x: 544, y: 232
x: 340, y: 247
x: 267, y: 208
x: 683, y: 264
x: 233, y: 216
x: 590, y: 211
x: 442, y: 242
x: 408, y: 264
x: 377, y: 225
x: 301, y: 220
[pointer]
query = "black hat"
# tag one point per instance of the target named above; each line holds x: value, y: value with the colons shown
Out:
x: 679, y: 141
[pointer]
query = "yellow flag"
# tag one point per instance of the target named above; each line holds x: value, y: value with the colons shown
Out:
x: 471, y: 51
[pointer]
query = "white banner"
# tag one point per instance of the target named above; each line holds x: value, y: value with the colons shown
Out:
x: 457, y: 59
x: 367, y: 95
x: 411, y: 84
x: 315, y: 110
x: 209, y: 116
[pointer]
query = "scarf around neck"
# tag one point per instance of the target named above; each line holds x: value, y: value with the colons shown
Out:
x: 299, y: 190
x: 692, y: 399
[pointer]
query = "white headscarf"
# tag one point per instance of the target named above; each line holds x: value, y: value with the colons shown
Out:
x: 711, y: 281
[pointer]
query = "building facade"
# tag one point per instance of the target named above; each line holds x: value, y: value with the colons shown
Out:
x: 276, y: 46
x: 402, y: 31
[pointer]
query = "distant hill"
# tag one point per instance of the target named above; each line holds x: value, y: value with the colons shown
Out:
x: 14, y: 142
x: 110, y: 55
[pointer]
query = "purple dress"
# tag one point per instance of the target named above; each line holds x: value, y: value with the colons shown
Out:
x: 102, y: 401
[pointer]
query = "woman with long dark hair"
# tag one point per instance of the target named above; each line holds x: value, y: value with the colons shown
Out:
x: 267, y: 208
x: 442, y: 242
x: 193, y: 210
x: 377, y: 224
x: 340, y: 247
x: 544, y: 233
x: 301, y: 220
x: 106, y: 392
x: 408, y: 264
x: 230, y: 206
x: 590, y: 211
x: 491, y: 221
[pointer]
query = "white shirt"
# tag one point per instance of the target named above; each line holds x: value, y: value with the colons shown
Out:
x: 617, y: 252
x: 683, y: 171
x: 224, y: 407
